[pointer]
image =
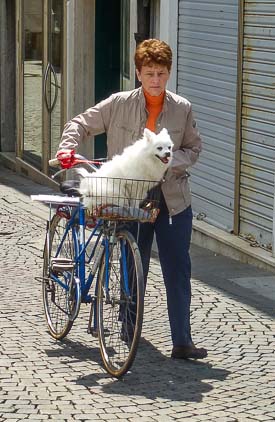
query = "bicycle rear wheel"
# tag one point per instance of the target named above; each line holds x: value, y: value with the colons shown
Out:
x: 120, y: 303
x: 61, y: 304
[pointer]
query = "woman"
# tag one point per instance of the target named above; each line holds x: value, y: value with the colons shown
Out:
x: 123, y: 116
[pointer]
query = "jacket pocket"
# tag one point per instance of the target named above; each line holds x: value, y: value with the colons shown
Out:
x: 122, y: 136
x: 185, y: 189
x: 174, y: 192
x: 125, y: 129
x: 176, y: 136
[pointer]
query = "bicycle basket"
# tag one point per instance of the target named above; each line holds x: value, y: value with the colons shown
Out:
x: 123, y: 199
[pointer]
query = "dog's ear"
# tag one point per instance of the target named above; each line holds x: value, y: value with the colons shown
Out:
x: 164, y: 131
x: 148, y: 135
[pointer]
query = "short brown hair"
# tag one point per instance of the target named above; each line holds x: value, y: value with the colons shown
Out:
x: 153, y: 51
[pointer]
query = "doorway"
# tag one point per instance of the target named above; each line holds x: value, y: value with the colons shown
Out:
x: 107, y: 57
x: 41, y: 47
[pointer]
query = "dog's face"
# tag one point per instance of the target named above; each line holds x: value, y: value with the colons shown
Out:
x: 161, y: 145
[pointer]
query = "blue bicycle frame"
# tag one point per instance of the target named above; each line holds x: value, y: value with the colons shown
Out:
x: 80, y: 247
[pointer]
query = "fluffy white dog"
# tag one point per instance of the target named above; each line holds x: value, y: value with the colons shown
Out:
x: 126, y: 179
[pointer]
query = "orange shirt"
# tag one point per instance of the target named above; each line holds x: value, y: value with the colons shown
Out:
x: 154, y: 106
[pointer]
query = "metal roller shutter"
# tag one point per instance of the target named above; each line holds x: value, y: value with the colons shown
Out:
x: 258, y: 115
x: 207, y: 76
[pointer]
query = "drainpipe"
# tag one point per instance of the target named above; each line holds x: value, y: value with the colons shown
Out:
x: 238, y: 147
x: 273, y: 230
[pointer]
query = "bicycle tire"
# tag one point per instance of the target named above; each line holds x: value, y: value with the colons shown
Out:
x: 60, y: 306
x: 120, y: 315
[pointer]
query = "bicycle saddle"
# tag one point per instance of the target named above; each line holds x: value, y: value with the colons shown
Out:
x: 70, y: 187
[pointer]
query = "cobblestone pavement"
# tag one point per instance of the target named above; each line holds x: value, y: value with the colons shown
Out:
x: 42, y: 379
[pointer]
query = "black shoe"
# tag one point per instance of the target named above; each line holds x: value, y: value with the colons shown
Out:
x: 188, y: 352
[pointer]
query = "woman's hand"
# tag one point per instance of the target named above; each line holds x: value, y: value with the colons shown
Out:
x: 65, y: 157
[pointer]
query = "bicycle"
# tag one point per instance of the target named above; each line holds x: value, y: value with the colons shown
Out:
x: 103, y: 268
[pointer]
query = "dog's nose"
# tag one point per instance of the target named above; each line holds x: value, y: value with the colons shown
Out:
x: 167, y: 154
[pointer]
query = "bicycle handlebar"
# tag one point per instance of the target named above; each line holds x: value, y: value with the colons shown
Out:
x: 70, y: 160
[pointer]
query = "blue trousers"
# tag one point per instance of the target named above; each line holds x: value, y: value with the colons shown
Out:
x: 173, y: 242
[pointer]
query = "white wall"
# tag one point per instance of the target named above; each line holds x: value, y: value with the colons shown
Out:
x: 80, y: 60
x: 128, y: 84
x: 168, y: 32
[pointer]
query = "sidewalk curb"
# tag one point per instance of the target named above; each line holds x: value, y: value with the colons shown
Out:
x: 224, y: 243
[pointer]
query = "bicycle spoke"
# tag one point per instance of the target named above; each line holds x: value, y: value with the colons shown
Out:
x: 58, y: 302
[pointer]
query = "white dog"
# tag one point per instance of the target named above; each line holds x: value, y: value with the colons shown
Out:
x: 126, y: 179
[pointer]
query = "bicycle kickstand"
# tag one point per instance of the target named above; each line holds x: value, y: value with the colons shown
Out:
x: 92, y: 329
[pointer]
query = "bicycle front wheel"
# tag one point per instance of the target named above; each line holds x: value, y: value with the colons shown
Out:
x: 61, y: 298
x: 120, y: 303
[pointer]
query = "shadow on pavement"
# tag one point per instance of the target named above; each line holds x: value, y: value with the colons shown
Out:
x: 222, y: 273
x: 154, y: 375
x: 75, y: 351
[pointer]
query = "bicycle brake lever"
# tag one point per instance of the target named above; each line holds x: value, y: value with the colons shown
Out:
x: 57, y: 173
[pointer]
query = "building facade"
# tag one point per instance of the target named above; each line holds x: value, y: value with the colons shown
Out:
x: 226, y: 68
x: 59, y: 57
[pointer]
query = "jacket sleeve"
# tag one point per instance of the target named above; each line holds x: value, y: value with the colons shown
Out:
x: 93, y: 121
x: 190, y: 147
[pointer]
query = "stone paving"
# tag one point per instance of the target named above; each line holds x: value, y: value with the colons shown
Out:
x: 42, y: 379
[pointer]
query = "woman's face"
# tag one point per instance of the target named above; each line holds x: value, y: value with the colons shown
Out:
x: 153, y: 78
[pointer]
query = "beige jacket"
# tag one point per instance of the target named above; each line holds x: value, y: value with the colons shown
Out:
x: 123, y: 117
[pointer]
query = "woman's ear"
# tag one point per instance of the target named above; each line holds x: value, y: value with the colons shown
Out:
x: 138, y: 75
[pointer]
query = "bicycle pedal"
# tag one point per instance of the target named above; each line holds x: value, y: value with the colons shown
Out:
x: 62, y: 264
